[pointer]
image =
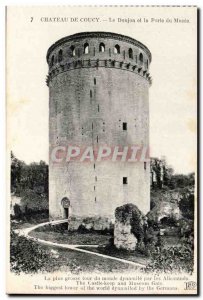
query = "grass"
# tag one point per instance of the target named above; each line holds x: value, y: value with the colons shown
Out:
x: 102, y: 240
x: 134, y: 256
x: 72, y: 238
x: 76, y: 262
x: 72, y: 261
x: 93, y: 238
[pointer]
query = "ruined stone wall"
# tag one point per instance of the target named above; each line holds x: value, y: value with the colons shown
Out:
x: 90, y: 99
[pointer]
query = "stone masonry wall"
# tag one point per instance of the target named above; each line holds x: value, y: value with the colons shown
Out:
x: 89, y: 102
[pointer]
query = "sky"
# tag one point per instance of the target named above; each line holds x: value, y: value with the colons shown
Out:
x: 173, y: 94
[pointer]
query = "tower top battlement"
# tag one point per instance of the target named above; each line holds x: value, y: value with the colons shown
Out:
x: 98, y: 34
x: 98, y: 49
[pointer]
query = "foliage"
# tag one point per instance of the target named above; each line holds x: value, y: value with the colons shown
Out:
x: 165, y: 258
x: 27, y: 256
x: 30, y: 200
x: 163, y: 176
x: 16, y: 171
x: 161, y: 171
x: 182, y: 181
x: 30, y: 183
x: 172, y: 259
x: 32, y: 206
x: 186, y: 227
x: 131, y: 213
x: 186, y: 204
x: 32, y: 177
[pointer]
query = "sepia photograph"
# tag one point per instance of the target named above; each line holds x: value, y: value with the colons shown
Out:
x: 102, y: 194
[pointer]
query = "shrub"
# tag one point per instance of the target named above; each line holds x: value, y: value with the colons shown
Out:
x: 186, y: 204
x: 27, y: 256
x: 172, y: 259
x: 33, y: 201
x: 186, y: 227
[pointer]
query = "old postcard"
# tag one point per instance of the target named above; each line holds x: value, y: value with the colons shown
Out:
x: 102, y: 150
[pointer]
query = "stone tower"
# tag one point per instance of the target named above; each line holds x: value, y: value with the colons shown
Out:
x: 98, y: 96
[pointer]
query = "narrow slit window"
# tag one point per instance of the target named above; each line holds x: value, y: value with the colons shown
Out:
x: 94, y: 166
x: 124, y: 126
x: 97, y: 139
x: 94, y: 188
x: 145, y: 165
x: 90, y: 93
x: 95, y: 178
x: 60, y: 56
x: 95, y: 81
x: 95, y: 199
x: 98, y: 107
x: 52, y: 61
x: 125, y: 180
x: 130, y: 53
x: 141, y: 57
x: 72, y: 49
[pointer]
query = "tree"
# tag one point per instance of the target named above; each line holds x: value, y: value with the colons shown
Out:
x: 16, y: 171
x: 181, y: 181
x: 33, y: 176
x: 161, y: 173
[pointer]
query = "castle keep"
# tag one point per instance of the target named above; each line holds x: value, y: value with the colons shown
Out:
x: 98, y: 95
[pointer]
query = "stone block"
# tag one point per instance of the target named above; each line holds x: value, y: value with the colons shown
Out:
x: 130, y: 225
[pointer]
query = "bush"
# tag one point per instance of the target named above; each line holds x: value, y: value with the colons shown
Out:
x: 33, y: 201
x: 186, y: 227
x: 172, y: 259
x: 27, y: 256
x: 186, y: 204
x: 32, y: 206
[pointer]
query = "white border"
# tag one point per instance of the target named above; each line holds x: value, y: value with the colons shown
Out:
x: 4, y: 3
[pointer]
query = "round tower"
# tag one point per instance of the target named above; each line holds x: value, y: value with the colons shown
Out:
x: 98, y: 99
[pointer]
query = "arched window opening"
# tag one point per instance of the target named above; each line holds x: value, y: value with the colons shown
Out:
x: 72, y: 48
x: 86, y: 48
x: 65, y: 202
x: 52, y: 60
x: 117, y: 49
x: 101, y: 47
x: 130, y: 53
x: 141, y: 57
x: 60, y: 56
